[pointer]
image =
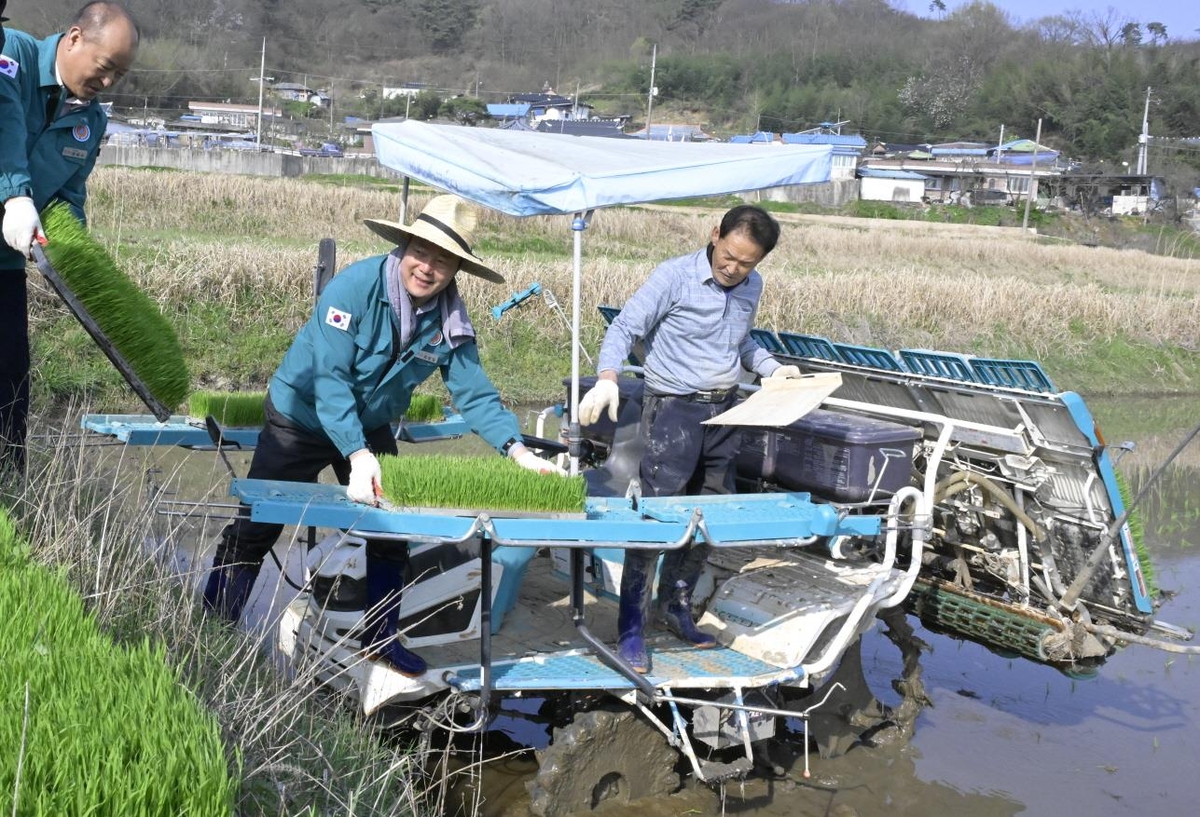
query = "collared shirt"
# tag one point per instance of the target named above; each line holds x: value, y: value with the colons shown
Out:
x: 344, y: 374
x: 696, y: 333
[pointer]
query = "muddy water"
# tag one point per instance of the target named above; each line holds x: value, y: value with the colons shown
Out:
x: 1002, y: 736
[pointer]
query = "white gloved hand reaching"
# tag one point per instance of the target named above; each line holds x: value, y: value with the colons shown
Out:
x: 21, y: 225
x: 365, y: 478
x: 604, y: 395
x: 785, y: 373
x: 532, y: 462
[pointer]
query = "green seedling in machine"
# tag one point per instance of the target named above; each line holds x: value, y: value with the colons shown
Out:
x: 494, y: 483
x: 424, y: 408
x: 236, y: 409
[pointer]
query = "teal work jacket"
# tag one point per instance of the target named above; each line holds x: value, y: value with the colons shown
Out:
x: 344, y: 374
x: 47, y: 158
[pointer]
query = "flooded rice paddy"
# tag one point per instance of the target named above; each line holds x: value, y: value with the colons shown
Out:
x: 1000, y: 736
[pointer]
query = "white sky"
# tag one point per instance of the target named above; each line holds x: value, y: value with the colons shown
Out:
x: 1181, y: 17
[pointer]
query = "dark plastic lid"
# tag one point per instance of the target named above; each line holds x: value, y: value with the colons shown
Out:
x: 852, y: 428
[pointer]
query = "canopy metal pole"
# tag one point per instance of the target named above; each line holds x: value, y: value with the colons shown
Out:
x: 578, y: 225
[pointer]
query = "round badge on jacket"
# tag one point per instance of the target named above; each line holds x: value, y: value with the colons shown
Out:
x: 81, y: 132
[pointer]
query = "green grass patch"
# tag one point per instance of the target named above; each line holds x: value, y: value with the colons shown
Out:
x: 486, y: 483
x: 1137, y: 531
x: 89, y: 727
x: 229, y: 408
x: 424, y: 408
x: 127, y: 317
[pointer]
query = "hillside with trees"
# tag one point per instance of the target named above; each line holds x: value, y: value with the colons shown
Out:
x: 731, y: 66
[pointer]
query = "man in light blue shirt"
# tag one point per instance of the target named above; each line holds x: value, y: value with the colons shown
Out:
x: 694, y: 316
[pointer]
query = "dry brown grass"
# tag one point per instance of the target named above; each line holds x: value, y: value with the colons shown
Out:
x: 250, y: 243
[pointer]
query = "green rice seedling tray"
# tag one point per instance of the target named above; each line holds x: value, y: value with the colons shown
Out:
x: 495, y: 485
x: 237, y: 409
x: 424, y: 408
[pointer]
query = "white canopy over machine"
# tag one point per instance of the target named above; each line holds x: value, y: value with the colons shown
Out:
x: 525, y: 173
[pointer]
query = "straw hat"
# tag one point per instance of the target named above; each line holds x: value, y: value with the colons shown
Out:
x: 447, y: 222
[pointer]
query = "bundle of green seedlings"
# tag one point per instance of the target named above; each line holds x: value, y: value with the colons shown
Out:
x: 228, y: 408
x: 245, y: 409
x: 424, y: 408
x: 88, y: 726
x: 126, y: 315
x: 484, y: 483
x: 1137, y: 531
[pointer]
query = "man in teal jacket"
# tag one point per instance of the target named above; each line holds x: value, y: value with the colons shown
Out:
x: 51, y: 126
x: 381, y: 327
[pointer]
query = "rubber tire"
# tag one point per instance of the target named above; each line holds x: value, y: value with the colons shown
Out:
x: 601, y: 755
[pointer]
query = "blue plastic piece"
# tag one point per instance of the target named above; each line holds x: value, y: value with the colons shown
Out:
x: 782, y: 517
x: 938, y: 364
x: 143, y: 429
x: 516, y: 300
x: 515, y: 561
x: 584, y: 671
x: 609, y: 313
x: 767, y: 340
x: 1104, y: 464
x: 809, y: 346
x: 871, y: 356
x: 1012, y: 374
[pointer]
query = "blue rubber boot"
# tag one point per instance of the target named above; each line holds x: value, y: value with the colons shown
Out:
x: 634, y: 605
x: 228, y: 587
x: 380, y: 636
x: 680, y: 572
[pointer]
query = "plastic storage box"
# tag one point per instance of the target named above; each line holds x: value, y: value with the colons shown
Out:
x: 838, y: 457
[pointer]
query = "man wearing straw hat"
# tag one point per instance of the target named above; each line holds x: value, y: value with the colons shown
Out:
x: 694, y: 315
x: 381, y: 327
x: 51, y: 126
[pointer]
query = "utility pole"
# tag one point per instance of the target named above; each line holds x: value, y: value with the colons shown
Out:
x: 1032, y: 182
x: 650, y: 99
x: 262, y: 80
x: 1144, y: 137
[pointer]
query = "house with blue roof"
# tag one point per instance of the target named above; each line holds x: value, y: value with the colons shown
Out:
x: 847, y: 149
x: 972, y: 172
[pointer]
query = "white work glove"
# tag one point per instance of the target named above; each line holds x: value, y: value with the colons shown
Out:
x: 365, y: 478
x: 21, y: 225
x: 532, y: 462
x: 604, y: 395
x: 785, y: 372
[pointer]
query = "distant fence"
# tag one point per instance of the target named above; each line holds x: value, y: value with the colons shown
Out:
x: 240, y: 162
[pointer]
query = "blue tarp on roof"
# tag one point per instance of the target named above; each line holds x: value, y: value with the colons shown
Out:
x: 1023, y: 152
x: 508, y: 111
x: 762, y: 137
x: 525, y: 173
x: 852, y: 140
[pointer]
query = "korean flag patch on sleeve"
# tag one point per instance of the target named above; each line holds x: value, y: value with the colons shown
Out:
x: 337, y: 318
x: 9, y: 67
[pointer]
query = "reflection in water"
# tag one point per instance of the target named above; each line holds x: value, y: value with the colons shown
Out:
x: 1003, y: 736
